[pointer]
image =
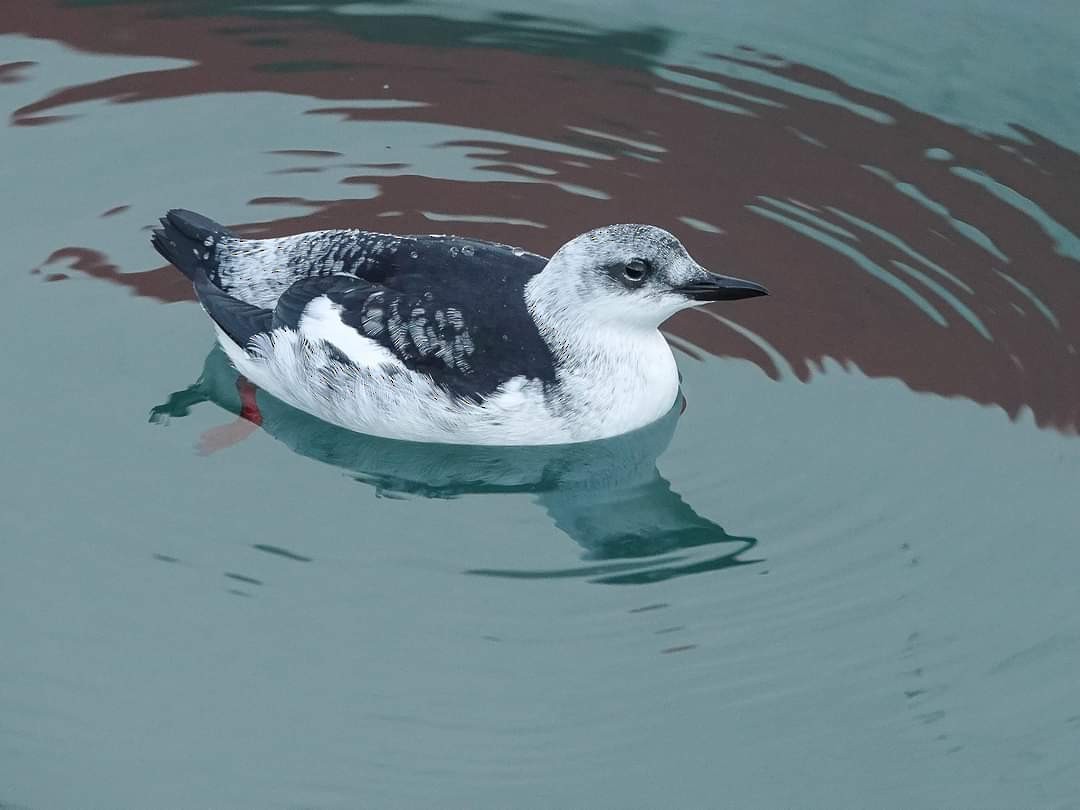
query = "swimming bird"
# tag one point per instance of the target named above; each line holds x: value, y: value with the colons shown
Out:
x: 448, y: 339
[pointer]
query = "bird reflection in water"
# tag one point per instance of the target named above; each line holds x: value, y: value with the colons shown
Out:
x: 608, y: 495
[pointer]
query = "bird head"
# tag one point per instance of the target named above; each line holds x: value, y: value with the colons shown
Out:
x: 637, y: 275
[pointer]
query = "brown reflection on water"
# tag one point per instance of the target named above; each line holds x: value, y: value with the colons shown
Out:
x: 11, y: 72
x: 893, y: 240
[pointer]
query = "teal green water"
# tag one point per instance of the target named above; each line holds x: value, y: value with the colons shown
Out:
x: 844, y: 577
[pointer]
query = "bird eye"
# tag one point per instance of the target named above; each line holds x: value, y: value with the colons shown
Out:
x: 635, y: 270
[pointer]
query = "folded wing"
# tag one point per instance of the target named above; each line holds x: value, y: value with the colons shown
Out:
x: 466, y: 345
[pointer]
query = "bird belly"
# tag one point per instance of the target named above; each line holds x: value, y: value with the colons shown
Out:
x: 389, y: 400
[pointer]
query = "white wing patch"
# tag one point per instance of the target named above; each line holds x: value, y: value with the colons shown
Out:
x: 321, y: 321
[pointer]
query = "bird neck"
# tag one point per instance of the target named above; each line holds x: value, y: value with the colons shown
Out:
x: 614, y: 375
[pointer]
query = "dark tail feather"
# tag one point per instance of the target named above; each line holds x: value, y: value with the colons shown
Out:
x: 190, y: 242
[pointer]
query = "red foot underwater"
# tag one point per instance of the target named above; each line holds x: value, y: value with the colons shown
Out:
x: 250, y: 418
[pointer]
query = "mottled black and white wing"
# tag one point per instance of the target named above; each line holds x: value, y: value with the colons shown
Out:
x: 468, y: 346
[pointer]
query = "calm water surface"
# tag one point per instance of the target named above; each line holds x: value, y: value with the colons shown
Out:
x: 844, y: 574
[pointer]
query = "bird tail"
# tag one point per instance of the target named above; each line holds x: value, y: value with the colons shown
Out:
x: 191, y: 242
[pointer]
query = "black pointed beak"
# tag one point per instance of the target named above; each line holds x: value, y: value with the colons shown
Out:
x: 721, y: 288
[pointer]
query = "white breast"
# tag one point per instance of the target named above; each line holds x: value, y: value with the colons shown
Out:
x: 619, y: 379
